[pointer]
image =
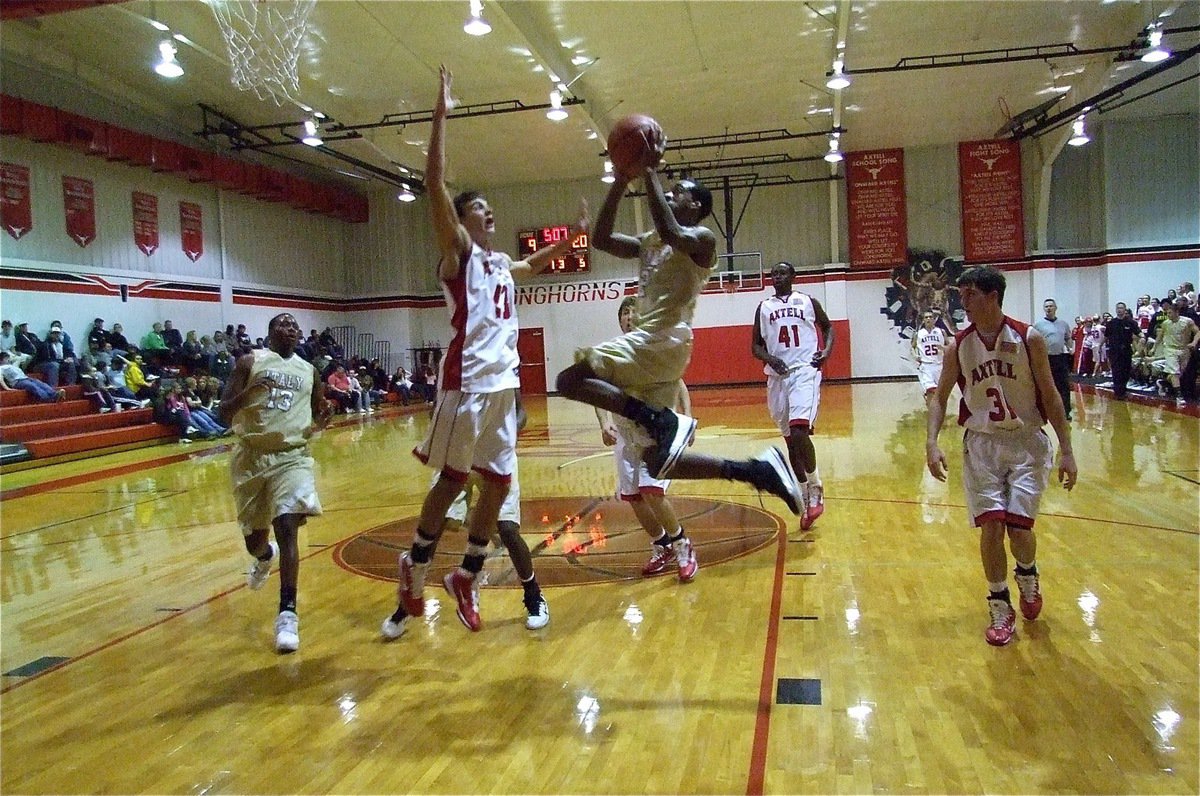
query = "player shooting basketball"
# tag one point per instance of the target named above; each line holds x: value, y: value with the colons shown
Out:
x: 636, y: 375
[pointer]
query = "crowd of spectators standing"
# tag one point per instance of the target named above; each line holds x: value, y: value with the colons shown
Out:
x: 183, y: 376
x: 1150, y: 348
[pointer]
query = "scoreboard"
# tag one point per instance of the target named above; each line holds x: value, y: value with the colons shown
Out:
x: 574, y: 261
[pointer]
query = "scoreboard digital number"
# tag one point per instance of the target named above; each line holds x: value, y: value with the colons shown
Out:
x: 575, y: 261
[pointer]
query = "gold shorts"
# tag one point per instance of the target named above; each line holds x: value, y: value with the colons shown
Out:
x: 269, y: 485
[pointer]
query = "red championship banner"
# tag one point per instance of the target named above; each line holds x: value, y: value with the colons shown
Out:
x: 191, y: 230
x: 15, y: 212
x: 79, y: 202
x: 989, y: 187
x: 145, y: 222
x: 878, y: 214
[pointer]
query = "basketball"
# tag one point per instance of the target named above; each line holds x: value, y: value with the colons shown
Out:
x: 633, y: 143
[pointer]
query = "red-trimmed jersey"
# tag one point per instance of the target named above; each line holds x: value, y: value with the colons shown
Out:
x: 999, y: 393
x: 931, y: 344
x: 788, y: 326
x: 482, y: 355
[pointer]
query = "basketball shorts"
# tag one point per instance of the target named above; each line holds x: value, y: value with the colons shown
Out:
x: 792, y: 399
x: 633, y: 478
x: 270, y: 485
x: 928, y: 374
x: 1173, y: 361
x: 472, y: 431
x: 1004, y: 476
x: 646, y: 365
x: 510, y: 510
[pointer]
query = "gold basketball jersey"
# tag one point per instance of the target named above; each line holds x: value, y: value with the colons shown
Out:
x: 276, y: 419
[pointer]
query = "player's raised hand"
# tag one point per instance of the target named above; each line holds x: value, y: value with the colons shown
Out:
x: 444, y: 101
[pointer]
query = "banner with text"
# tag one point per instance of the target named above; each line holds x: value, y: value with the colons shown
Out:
x: 15, y: 212
x: 191, y: 230
x: 79, y: 202
x: 878, y: 216
x: 989, y: 188
x: 145, y: 222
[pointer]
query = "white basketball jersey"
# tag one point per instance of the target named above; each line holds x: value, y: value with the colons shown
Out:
x: 998, y: 391
x: 788, y: 327
x: 482, y: 355
x: 931, y: 345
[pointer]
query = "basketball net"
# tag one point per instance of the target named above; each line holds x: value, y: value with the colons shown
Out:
x: 262, y: 38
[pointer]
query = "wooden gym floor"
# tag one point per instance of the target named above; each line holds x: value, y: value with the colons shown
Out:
x: 847, y: 659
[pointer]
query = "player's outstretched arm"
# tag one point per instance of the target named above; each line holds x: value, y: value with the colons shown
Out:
x: 935, y: 460
x: 1039, y: 363
x: 452, y: 238
x: 603, y: 238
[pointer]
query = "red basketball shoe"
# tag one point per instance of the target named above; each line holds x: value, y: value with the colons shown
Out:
x: 1004, y: 622
x: 663, y: 558
x: 815, y: 508
x: 686, y: 556
x: 465, y: 590
x: 412, y: 586
x: 1031, y: 594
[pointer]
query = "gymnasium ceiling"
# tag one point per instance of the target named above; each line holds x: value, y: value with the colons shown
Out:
x: 703, y: 69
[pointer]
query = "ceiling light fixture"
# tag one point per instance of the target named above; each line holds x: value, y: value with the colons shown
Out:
x: 476, y: 24
x: 608, y: 172
x: 406, y: 195
x: 1079, y: 136
x: 834, y: 155
x: 1157, y: 52
x: 838, y: 79
x: 158, y: 25
x: 168, y: 66
x: 312, y: 133
x: 556, y: 112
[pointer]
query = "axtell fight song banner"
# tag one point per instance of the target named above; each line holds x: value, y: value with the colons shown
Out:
x: 878, y: 215
x: 989, y: 187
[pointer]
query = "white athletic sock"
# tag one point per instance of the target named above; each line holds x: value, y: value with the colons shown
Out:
x: 1025, y: 566
x: 814, y: 477
x: 997, y: 588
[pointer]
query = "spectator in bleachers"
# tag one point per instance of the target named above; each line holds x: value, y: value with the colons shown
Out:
x: 1188, y: 291
x: 402, y: 385
x: 177, y: 413
x: 222, y: 365
x: 1143, y: 313
x: 338, y: 389
x: 66, y: 338
x: 378, y: 375
x: 192, y: 353
x: 322, y: 361
x: 113, y: 379
x: 259, y: 344
x: 57, y: 361
x: 243, y: 339
x: 326, y: 339
x: 364, y: 403
x: 97, y: 334
x: 420, y: 382
x: 154, y: 346
x: 208, y: 390
x: 208, y: 352
x: 371, y: 394
x: 172, y: 338
x: 120, y: 346
x: 202, y: 418
x: 93, y: 355
x: 13, y: 378
x: 141, y: 384
x: 99, y: 397
x: 8, y: 342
